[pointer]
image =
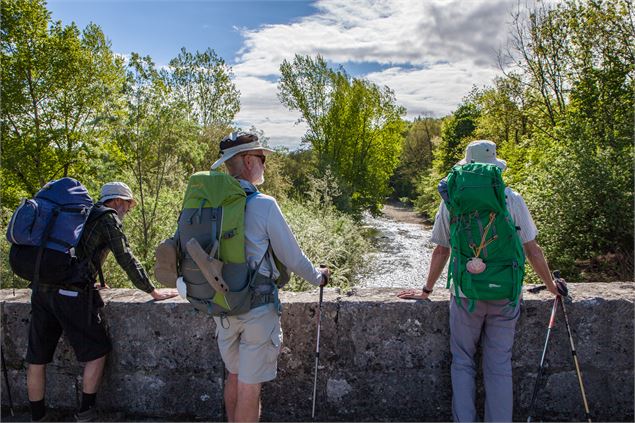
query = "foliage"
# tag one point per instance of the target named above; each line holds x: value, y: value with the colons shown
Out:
x: 59, y: 88
x: 563, y: 120
x: 277, y: 182
x: 355, y: 127
x: 328, y: 237
x: 202, y: 81
x: 416, y: 156
x: 71, y: 107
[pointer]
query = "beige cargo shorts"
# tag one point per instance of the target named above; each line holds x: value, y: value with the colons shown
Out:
x: 250, y: 343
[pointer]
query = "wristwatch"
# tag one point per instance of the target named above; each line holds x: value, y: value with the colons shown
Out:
x: 427, y: 290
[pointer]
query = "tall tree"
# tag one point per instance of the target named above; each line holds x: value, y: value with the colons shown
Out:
x: 152, y: 141
x: 59, y: 88
x: 203, y: 83
x: 416, y: 155
x: 578, y: 55
x: 355, y: 127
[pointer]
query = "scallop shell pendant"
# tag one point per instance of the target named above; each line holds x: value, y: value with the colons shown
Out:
x: 475, y: 265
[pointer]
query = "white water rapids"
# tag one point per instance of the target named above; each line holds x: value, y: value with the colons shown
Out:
x: 402, y: 256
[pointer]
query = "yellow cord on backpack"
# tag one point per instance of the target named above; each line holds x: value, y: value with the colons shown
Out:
x: 484, y: 243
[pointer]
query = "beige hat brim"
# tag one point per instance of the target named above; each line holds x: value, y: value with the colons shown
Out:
x: 231, y: 152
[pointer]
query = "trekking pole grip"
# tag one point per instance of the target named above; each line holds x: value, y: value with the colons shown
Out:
x: 325, y: 276
x: 563, y: 290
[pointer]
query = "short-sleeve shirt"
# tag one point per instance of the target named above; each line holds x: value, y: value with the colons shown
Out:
x: 516, y: 206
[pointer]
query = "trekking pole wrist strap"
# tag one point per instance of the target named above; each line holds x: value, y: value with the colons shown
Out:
x: 427, y: 290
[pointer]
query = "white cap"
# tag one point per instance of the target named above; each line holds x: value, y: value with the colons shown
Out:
x: 239, y: 142
x: 482, y: 151
x: 116, y: 190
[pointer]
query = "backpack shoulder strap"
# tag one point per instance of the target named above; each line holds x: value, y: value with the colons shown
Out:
x: 96, y: 212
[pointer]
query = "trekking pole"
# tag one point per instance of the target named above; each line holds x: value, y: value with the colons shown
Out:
x: 6, y: 381
x: 317, y: 351
x: 552, y: 321
x: 556, y: 275
x: 317, y: 346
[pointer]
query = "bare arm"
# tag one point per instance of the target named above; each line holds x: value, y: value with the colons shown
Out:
x: 536, y: 258
x: 440, y: 257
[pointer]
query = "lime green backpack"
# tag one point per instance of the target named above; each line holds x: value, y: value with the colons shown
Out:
x: 487, y: 261
x: 210, y: 243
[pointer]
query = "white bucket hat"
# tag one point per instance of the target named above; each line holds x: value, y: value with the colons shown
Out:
x: 239, y: 142
x: 482, y: 151
x: 116, y: 190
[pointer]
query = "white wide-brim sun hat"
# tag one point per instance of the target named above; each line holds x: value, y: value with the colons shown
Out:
x: 482, y: 151
x: 239, y: 142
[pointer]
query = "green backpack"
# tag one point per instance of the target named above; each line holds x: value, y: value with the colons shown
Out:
x: 487, y: 261
x: 210, y: 244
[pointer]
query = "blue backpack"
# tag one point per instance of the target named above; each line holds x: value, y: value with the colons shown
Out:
x: 44, y: 232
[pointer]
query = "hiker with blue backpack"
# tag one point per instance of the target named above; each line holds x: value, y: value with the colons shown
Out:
x: 232, y: 251
x: 60, y: 240
x: 487, y: 232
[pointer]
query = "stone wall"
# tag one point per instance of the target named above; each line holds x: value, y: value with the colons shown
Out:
x: 382, y: 359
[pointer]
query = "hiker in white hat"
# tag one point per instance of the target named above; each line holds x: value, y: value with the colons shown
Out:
x: 103, y: 232
x: 250, y: 343
x: 239, y: 142
x: 117, y: 196
x: 491, y: 321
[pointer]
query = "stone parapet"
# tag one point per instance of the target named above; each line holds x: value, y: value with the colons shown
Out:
x: 382, y: 359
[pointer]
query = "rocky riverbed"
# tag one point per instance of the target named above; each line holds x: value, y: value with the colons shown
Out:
x: 403, y: 249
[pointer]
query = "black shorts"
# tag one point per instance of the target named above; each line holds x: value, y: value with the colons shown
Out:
x: 54, y: 311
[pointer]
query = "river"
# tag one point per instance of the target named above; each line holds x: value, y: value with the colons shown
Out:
x: 403, y: 250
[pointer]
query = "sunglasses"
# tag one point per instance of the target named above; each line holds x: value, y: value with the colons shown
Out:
x: 262, y: 157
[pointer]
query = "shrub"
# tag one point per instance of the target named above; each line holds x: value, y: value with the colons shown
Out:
x: 328, y: 237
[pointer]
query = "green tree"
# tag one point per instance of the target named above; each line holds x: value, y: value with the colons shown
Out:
x: 152, y: 141
x: 457, y: 130
x: 578, y: 179
x: 59, y: 88
x: 355, y: 128
x: 202, y: 81
x: 416, y: 155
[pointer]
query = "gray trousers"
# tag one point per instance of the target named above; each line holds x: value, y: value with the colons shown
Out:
x: 494, y: 323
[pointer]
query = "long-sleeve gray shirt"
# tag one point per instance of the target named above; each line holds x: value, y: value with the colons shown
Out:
x: 264, y: 224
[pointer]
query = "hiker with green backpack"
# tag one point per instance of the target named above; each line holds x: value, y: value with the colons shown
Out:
x: 232, y: 251
x: 487, y: 232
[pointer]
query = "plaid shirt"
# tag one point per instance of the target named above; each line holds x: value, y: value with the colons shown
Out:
x: 105, y: 234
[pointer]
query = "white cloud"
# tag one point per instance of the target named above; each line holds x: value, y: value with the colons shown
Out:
x: 261, y: 108
x: 433, y: 91
x: 436, y: 49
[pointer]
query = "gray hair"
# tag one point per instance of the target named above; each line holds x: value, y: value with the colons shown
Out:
x: 235, y: 166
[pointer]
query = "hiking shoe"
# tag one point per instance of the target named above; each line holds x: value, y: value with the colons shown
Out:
x: 89, y: 415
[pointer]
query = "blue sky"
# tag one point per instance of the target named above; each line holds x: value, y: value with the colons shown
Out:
x: 430, y: 52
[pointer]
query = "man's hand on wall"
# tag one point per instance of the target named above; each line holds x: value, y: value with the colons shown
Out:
x: 164, y: 294
x: 414, y: 294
